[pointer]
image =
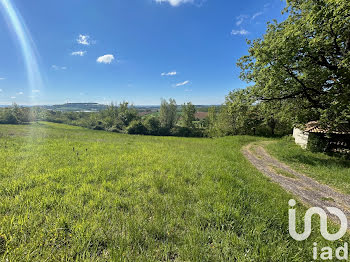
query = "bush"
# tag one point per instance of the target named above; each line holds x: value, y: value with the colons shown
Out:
x: 137, y: 128
x: 186, y: 132
x: 7, y: 117
x: 164, y: 131
x: 152, y: 124
x: 317, y: 143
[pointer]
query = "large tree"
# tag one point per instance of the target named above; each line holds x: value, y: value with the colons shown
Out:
x: 167, y: 113
x: 188, y: 114
x: 305, y: 61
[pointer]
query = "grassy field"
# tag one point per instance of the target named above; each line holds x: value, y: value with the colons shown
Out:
x: 326, y: 169
x: 72, y: 194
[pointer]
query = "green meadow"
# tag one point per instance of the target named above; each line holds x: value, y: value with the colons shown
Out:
x: 73, y: 194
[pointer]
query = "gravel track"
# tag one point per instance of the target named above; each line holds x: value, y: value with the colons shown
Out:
x: 305, y: 189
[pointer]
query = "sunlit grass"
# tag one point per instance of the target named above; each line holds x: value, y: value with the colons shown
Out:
x: 68, y: 193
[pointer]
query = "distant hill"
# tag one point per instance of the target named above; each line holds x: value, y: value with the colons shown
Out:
x: 77, y: 107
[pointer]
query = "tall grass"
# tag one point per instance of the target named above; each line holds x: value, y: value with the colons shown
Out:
x: 71, y: 194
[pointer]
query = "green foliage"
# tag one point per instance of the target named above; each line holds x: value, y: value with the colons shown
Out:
x: 117, y: 118
x: 19, y: 115
x: 167, y: 113
x: 181, y: 131
x: 212, y: 121
x: 188, y: 115
x: 7, y: 116
x: 305, y: 61
x: 277, y: 116
x: 152, y: 124
x: 137, y: 128
x: 113, y: 118
x: 121, y: 119
x: 317, y: 143
x: 110, y: 117
x: 243, y: 114
x: 126, y: 114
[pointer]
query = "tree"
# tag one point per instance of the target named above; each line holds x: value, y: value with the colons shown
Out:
x: 18, y: 113
x: 7, y: 116
x: 126, y: 114
x: 167, y: 113
x: 110, y: 115
x: 188, y: 114
x: 305, y: 61
x: 219, y: 121
x: 243, y: 111
x: 243, y: 114
x: 278, y: 116
x: 212, y: 121
x: 152, y: 124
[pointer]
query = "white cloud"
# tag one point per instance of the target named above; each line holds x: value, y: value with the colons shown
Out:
x: 0, y: 90
x: 175, y: 2
x: 105, y: 59
x: 188, y: 90
x: 174, y: 73
x: 2, y: 78
x: 240, y: 19
x: 183, y: 83
x: 256, y: 15
x: 239, y: 32
x: 78, y: 53
x: 13, y: 97
x: 84, y: 40
x: 36, y: 91
x: 55, y: 67
x: 19, y: 93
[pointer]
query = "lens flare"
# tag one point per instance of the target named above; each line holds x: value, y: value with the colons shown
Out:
x: 18, y: 27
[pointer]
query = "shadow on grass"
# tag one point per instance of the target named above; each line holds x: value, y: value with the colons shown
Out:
x: 315, y: 160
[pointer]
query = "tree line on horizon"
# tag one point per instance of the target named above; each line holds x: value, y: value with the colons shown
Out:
x: 228, y: 119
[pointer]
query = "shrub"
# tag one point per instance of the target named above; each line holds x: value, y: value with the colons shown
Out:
x: 317, y: 143
x: 152, y: 124
x: 137, y: 128
x: 186, y: 132
x: 7, y: 117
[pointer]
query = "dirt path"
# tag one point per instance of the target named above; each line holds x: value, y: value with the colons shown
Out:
x: 307, y: 190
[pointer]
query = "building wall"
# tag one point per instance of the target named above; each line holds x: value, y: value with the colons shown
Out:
x: 301, y: 137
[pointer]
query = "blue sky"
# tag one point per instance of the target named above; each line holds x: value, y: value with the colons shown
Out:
x: 133, y: 50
